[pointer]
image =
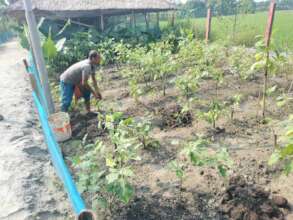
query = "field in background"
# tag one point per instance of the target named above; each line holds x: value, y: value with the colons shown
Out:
x: 248, y: 26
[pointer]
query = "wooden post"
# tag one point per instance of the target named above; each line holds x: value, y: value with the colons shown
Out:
x: 208, y: 24
x: 158, y: 19
x: 146, y: 21
x: 32, y: 79
x: 102, y: 23
x: 270, y: 22
x: 268, y: 34
x: 173, y: 18
x: 133, y: 21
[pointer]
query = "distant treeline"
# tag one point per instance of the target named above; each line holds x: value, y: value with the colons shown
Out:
x: 198, y: 8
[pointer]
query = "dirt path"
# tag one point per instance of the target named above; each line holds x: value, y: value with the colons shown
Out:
x: 28, y: 185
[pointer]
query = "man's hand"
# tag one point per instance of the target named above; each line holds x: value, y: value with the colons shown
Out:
x: 98, y: 96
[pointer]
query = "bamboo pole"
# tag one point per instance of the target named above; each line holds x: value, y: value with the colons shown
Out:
x: 38, y: 53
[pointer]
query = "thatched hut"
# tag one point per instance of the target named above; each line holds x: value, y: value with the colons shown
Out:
x: 89, y: 8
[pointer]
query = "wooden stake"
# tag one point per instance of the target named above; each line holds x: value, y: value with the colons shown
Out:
x: 268, y: 34
x: 146, y: 21
x: 270, y: 22
x: 173, y: 19
x: 102, y: 23
x: 133, y: 20
x: 32, y: 79
x: 208, y: 24
x: 158, y: 19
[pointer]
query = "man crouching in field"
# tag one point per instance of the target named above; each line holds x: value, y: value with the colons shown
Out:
x: 77, y: 76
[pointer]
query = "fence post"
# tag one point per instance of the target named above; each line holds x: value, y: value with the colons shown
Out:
x: 38, y: 53
x: 208, y: 24
x: 270, y: 22
x: 158, y: 20
x: 102, y: 23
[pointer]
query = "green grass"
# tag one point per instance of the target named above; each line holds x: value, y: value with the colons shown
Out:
x: 248, y: 27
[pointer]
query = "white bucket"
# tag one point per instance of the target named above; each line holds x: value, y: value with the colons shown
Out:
x: 60, y: 124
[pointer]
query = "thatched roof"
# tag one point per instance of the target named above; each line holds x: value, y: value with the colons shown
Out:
x: 89, y: 8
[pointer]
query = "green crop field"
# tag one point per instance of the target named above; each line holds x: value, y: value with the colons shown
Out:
x: 248, y: 27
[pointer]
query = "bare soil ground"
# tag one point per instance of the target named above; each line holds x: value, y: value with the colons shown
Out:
x: 250, y: 143
x: 29, y: 188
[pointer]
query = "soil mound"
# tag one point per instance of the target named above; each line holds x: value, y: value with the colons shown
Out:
x: 243, y: 201
x: 173, y: 116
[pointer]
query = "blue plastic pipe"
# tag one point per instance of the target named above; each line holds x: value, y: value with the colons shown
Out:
x: 58, y: 162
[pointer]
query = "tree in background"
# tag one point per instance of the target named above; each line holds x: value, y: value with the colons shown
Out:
x: 198, y: 8
x: 3, y: 18
x: 193, y: 8
x: 247, y: 6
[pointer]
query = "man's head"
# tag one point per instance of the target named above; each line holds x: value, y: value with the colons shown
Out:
x: 94, y: 57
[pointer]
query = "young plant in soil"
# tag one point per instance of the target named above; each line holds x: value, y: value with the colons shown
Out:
x: 199, y: 154
x: 188, y: 84
x: 142, y: 130
x: 268, y: 59
x: 106, y: 170
x: 285, y: 154
x: 215, y: 110
x: 179, y: 169
x: 166, y: 65
x: 218, y: 75
x: 236, y: 100
x: 240, y: 62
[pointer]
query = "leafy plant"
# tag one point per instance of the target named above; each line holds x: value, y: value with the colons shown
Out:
x: 142, y: 130
x: 215, y: 110
x: 199, y: 154
x: 269, y: 60
x: 285, y: 153
x: 107, y: 171
x: 179, y: 169
x: 188, y: 84
x: 240, y: 61
x: 236, y: 100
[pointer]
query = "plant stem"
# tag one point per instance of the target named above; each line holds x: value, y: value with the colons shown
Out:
x: 265, y: 87
x: 232, y: 113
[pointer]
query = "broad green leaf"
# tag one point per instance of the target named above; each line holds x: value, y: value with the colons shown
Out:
x: 288, y: 167
x: 49, y: 48
x: 112, y: 177
x: 126, y: 172
x: 272, y: 90
x: 60, y: 44
x: 126, y: 192
x: 222, y: 170
x: 287, y: 151
x: 110, y: 162
x: 275, y: 158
